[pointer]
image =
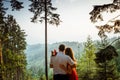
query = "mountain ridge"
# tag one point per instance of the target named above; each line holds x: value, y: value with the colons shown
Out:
x: 35, y: 53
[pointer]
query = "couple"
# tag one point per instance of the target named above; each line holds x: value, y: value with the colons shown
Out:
x: 63, y: 64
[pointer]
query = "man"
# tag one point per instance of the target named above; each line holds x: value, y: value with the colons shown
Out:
x: 60, y: 59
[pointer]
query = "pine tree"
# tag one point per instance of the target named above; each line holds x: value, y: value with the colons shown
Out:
x: 87, y: 64
x: 14, y: 59
x: 106, y: 67
x: 44, y: 11
x: 113, y: 25
x: 117, y: 46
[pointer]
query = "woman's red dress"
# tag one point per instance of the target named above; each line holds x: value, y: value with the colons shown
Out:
x: 73, y: 75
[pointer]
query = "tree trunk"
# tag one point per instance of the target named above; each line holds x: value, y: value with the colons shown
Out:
x: 1, y: 60
x: 46, y: 67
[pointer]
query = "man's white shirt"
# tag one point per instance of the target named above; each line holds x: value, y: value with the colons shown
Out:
x: 60, y: 58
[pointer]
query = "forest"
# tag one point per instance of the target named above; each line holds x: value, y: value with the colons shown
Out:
x: 85, y: 53
x: 97, y: 60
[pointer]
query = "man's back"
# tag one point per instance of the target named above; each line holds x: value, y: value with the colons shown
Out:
x: 60, y: 58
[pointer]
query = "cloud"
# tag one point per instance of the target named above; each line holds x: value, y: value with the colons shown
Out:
x: 73, y: 0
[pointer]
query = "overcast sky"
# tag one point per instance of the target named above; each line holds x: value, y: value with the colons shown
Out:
x: 75, y: 26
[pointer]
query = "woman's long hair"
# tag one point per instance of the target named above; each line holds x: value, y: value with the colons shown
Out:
x: 69, y: 52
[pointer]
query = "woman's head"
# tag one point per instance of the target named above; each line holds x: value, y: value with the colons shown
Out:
x: 69, y: 52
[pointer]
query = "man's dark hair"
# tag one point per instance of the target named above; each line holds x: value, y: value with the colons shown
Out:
x: 62, y: 47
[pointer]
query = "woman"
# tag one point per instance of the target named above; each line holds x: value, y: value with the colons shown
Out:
x: 72, y: 73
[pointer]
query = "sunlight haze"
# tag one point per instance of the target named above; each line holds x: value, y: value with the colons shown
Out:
x: 75, y: 25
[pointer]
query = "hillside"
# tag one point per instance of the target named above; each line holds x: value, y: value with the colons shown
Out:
x: 35, y: 53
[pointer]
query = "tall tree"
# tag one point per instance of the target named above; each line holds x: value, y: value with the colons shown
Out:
x: 2, y: 25
x: 43, y: 10
x: 111, y: 25
x: 89, y: 51
x: 105, y: 60
x: 105, y: 57
x: 117, y: 46
x: 87, y: 64
x: 16, y: 5
x: 14, y: 45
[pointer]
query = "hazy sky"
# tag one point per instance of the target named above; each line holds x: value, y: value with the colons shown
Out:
x: 75, y: 26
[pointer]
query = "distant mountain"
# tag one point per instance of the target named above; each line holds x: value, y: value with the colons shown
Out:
x: 36, y: 53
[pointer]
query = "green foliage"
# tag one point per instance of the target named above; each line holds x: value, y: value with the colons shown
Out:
x: 113, y: 25
x: 106, y: 54
x: 96, y: 13
x: 13, y: 46
x: 35, y: 56
x: 86, y: 62
x: 38, y: 8
x: 117, y: 46
x: 14, y: 4
x: 36, y: 62
x: 106, y: 67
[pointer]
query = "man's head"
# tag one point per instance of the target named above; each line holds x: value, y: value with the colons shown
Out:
x: 62, y: 47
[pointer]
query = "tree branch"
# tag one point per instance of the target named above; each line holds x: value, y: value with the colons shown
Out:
x: 6, y: 0
x: 112, y: 20
x: 115, y: 40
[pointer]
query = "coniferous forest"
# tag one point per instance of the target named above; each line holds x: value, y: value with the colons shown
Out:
x: 96, y: 59
x: 86, y: 55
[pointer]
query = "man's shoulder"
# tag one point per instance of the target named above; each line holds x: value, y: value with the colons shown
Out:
x: 66, y: 56
x: 62, y: 54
